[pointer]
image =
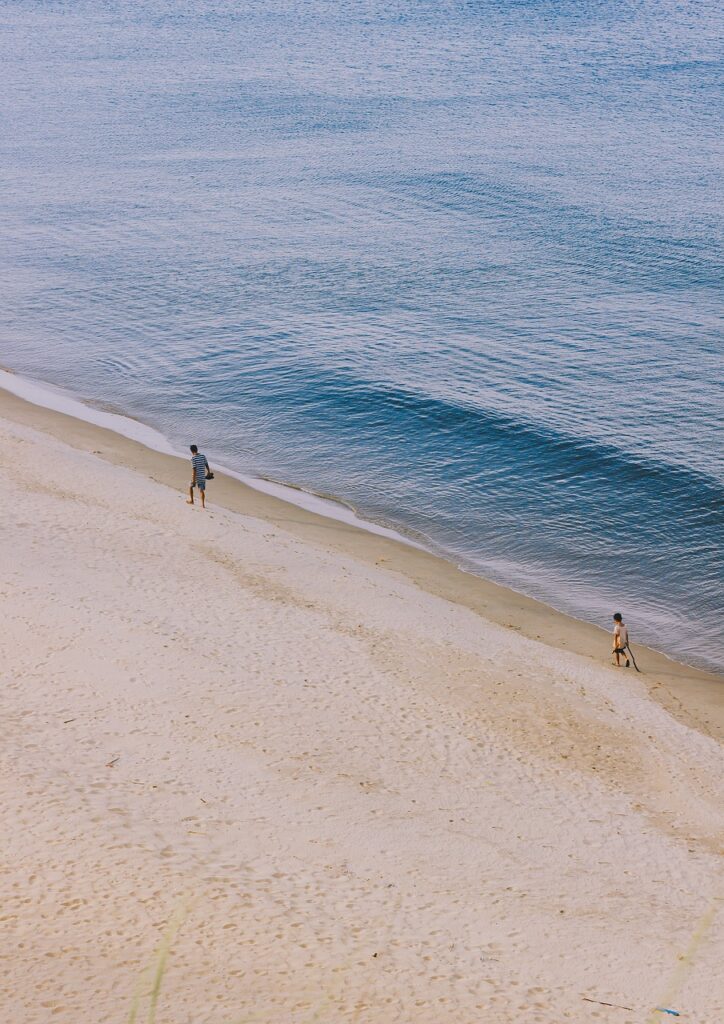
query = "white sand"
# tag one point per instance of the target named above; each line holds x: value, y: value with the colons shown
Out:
x: 365, y: 802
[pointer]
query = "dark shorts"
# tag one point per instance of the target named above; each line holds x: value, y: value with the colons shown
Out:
x: 201, y: 484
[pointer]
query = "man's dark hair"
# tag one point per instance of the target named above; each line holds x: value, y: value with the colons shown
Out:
x: 193, y: 448
x: 618, y: 616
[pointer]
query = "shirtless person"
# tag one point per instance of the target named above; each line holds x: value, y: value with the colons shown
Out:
x: 620, y: 639
x: 199, y: 471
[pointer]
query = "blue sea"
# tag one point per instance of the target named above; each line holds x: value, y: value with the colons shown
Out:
x: 458, y: 264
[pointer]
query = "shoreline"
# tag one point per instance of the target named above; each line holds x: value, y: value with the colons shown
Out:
x: 48, y: 396
x: 329, y: 506
x: 694, y: 696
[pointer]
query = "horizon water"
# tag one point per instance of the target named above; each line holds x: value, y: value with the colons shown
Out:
x: 456, y: 264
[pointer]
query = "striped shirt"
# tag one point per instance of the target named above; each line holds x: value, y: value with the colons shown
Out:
x: 200, y: 464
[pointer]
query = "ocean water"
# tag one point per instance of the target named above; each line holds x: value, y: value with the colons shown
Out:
x: 455, y: 263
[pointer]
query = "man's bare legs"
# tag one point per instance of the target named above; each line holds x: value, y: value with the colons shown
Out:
x: 202, y: 494
x: 617, y: 652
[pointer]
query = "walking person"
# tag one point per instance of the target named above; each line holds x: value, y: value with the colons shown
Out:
x: 200, y: 473
x: 620, y: 639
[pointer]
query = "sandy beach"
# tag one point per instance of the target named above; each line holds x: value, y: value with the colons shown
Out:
x: 318, y: 775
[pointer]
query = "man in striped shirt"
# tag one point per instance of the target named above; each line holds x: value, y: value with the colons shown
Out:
x: 199, y: 469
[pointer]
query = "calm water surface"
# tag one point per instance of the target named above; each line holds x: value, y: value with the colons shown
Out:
x: 456, y: 263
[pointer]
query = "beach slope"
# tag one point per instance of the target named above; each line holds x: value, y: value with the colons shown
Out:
x: 322, y: 791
